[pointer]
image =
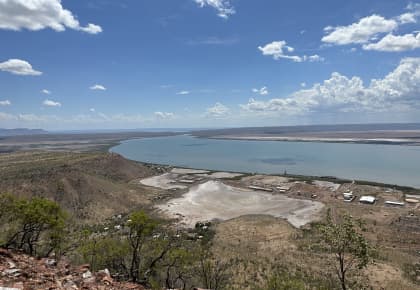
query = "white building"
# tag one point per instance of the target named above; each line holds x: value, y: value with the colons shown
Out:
x: 367, y: 199
x: 348, y: 196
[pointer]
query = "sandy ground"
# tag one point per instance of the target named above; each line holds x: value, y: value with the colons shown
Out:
x: 164, y: 181
x: 188, y: 171
x: 326, y: 184
x: 269, y: 180
x: 226, y: 175
x: 215, y: 200
x: 172, y: 180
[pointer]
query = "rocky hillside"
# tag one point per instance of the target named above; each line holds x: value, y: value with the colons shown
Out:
x: 93, y: 186
x: 21, y: 272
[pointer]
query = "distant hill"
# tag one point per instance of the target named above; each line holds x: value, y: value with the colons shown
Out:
x: 21, y: 131
x: 90, y: 186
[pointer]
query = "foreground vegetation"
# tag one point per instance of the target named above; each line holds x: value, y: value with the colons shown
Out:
x: 143, y: 250
x: 146, y: 251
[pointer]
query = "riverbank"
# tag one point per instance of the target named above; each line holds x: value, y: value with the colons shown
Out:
x: 395, y: 165
x: 164, y: 181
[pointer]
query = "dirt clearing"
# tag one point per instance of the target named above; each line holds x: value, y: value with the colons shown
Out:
x: 216, y: 200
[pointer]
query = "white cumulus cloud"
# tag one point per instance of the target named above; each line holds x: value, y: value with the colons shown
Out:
x: 40, y: 14
x: 280, y: 49
x: 360, y: 32
x: 91, y: 29
x: 50, y: 103
x: 313, y: 58
x: 396, y: 43
x: 98, y: 88
x: 399, y: 90
x: 218, y: 111
x: 262, y: 91
x: 412, y: 14
x: 375, y: 32
x: 5, y: 103
x: 45, y: 91
x: 164, y: 115
x: 19, y: 67
x: 223, y: 7
x: 407, y: 18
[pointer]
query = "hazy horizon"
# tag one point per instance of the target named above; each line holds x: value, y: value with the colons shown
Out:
x: 361, y: 126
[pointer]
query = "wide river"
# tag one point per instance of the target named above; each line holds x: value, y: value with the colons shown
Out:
x: 392, y: 164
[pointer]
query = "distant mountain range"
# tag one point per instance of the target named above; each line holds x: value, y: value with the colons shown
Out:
x: 21, y: 131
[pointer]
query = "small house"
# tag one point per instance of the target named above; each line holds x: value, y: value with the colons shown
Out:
x: 348, y: 196
x: 367, y: 199
x: 260, y: 188
x: 282, y: 188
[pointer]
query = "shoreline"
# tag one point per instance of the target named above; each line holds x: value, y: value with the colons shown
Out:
x: 298, y: 177
x: 105, y: 143
x: 373, y: 141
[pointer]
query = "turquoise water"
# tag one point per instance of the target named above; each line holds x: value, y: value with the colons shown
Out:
x: 391, y: 164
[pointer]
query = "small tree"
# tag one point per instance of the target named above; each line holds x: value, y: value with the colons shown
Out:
x: 7, y: 216
x: 213, y: 273
x: 105, y: 252
x: 37, y: 221
x: 140, y: 226
x: 7, y: 206
x: 136, y: 253
x: 345, y: 241
x: 178, y: 266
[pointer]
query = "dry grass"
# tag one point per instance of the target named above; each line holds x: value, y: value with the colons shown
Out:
x: 92, y: 186
x: 260, y: 245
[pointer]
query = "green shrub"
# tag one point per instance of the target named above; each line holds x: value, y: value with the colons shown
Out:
x: 36, y: 226
x: 106, y: 252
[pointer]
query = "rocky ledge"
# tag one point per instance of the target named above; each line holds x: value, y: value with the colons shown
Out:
x: 22, y: 272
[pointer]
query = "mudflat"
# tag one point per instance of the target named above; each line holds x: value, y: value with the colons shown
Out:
x: 398, y: 134
x: 216, y: 200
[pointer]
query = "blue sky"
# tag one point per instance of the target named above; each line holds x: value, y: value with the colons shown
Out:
x: 207, y: 63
